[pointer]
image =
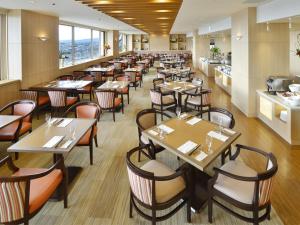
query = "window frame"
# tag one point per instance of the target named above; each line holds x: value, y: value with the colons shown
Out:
x: 3, y: 46
x: 92, y: 57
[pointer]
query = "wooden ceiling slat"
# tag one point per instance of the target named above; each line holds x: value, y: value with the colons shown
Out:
x: 142, y: 11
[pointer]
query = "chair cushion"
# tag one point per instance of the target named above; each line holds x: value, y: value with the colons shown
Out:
x: 42, y: 188
x: 165, y: 190
x: 43, y: 100
x: 197, y: 100
x: 7, y: 133
x: 85, y: 140
x: 168, y: 99
x: 118, y: 101
x: 241, y: 191
x: 71, y: 100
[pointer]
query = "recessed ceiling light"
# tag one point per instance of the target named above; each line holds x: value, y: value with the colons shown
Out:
x: 162, y: 1
x: 128, y: 18
x: 102, y: 2
x: 162, y: 10
x: 163, y: 18
x: 117, y: 11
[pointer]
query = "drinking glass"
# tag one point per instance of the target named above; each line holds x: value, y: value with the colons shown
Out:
x: 72, y: 133
x: 48, y: 119
x: 209, y: 141
x: 161, y: 133
x: 178, y: 112
x: 220, y: 123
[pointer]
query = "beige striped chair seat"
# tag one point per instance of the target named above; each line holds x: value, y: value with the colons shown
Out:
x: 107, y: 100
x: 59, y: 99
x: 156, y: 98
x: 197, y: 100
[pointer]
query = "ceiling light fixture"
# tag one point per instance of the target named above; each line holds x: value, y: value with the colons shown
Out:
x: 162, y: 1
x: 102, y: 2
x: 163, y: 18
x: 128, y: 18
x: 162, y: 10
x: 117, y: 11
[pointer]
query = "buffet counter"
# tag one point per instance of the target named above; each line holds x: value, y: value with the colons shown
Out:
x: 223, y: 78
x: 279, y: 115
x: 207, y: 66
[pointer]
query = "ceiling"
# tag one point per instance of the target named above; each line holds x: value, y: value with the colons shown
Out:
x: 151, y: 16
x: 194, y: 13
x: 71, y: 11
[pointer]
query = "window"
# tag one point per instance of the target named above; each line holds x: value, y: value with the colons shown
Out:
x: 122, y: 42
x: 79, y: 44
x: 65, y: 45
x: 3, y: 47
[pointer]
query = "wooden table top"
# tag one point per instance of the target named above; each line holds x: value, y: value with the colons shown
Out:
x: 133, y: 70
x: 8, y: 119
x: 178, y: 86
x: 196, y: 133
x: 113, y: 85
x: 62, y: 84
x: 35, y: 141
x: 124, y: 61
x: 100, y: 69
x: 175, y: 70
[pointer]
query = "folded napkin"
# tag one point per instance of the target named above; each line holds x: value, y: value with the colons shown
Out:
x: 165, y: 128
x: 202, y: 155
x: 66, y: 144
x: 218, y: 136
x: 65, y: 122
x: 232, y: 132
x: 53, y: 142
x: 152, y: 132
x: 187, y: 147
x: 53, y: 121
x: 190, y: 85
x: 182, y: 116
x: 193, y: 121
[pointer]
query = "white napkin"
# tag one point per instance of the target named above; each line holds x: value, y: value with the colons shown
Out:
x: 53, y: 142
x: 114, y: 82
x: 65, y: 123
x: 182, y: 116
x: 66, y: 144
x: 152, y: 132
x: 193, y: 121
x: 232, y: 132
x: 165, y: 128
x: 116, y: 86
x: 218, y: 136
x: 187, y: 147
x: 176, y: 88
x: 53, y: 121
x: 202, y: 155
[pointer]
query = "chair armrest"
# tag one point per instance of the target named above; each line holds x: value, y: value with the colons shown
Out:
x: 234, y: 176
x: 8, y: 160
x: 247, y: 148
x: 179, y: 173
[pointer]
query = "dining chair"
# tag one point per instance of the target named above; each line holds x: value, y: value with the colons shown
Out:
x: 239, y: 185
x: 87, y: 110
x: 118, y: 68
x: 146, y: 119
x: 13, y: 131
x: 156, y: 187
x: 88, y: 89
x: 65, y: 77
x: 27, y: 190
x: 200, y: 100
x: 165, y: 76
x: 42, y: 100
x: 104, y: 64
x: 134, y: 79
x: 125, y: 90
x: 108, y: 100
x: 60, y: 101
x: 165, y: 101
x: 79, y: 73
x: 217, y: 115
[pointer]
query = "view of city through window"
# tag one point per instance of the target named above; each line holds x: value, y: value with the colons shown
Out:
x: 87, y: 44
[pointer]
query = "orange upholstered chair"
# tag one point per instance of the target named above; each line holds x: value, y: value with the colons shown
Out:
x: 59, y: 100
x: 88, y: 110
x: 13, y: 131
x: 26, y: 191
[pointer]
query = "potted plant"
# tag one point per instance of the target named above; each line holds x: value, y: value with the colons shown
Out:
x: 215, y: 52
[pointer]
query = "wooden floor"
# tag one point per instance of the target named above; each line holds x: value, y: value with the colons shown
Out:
x: 100, y: 195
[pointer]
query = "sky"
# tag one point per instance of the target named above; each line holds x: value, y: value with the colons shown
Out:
x: 65, y: 33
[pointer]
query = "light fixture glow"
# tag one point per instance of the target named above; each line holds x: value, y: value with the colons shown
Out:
x: 117, y: 11
x: 162, y: 10
x: 162, y: 1
x: 43, y: 38
x: 163, y: 18
x: 102, y: 2
x: 128, y: 18
x: 290, y: 23
x: 239, y: 37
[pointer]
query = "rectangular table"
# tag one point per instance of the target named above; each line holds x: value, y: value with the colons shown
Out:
x: 99, y: 69
x: 8, y: 119
x: 113, y: 85
x: 179, y: 87
x: 62, y: 85
x: 196, y: 133
x: 133, y: 70
x: 34, y: 142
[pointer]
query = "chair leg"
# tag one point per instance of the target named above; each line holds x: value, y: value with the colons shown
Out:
x: 96, y: 141
x: 91, y: 154
x: 114, y: 117
x: 255, y: 217
x: 16, y: 155
x: 269, y: 212
x: 130, y: 206
x: 128, y: 98
x: 65, y: 190
x: 188, y: 211
x: 153, y: 217
x: 122, y: 99
x: 210, y: 209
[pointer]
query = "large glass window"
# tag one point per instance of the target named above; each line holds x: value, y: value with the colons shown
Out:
x: 122, y: 42
x: 79, y: 44
x: 65, y: 45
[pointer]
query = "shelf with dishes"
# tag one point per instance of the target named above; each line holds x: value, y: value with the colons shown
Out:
x: 223, y: 77
x: 280, y: 113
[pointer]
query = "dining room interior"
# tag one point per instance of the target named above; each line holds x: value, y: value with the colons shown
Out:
x: 143, y: 112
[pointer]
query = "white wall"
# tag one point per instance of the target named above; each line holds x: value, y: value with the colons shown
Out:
x: 159, y: 43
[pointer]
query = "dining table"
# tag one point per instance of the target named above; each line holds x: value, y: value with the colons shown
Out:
x: 6, y: 120
x: 113, y: 85
x: 186, y: 137
x: 133, y: 70
x: 180, y: 87
x: 58, y: 137
x: 61, y: 85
